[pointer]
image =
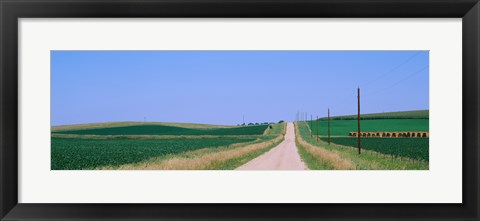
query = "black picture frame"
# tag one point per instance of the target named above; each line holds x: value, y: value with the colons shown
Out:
x: 12, y: 10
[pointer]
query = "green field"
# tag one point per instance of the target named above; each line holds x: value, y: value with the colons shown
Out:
x: 416, y: 114
x: 95, y: 147
x: 415, y: 148
x: 75, y: 154
x: 343, y: 127
x: 167, y: 130
x: 368, y: 160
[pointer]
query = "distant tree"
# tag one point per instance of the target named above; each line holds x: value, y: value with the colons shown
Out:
x: 270, y: 126
x: 243, y: 124
x: 281, y: 121
x: 257, y: 124
x: 250, y: 124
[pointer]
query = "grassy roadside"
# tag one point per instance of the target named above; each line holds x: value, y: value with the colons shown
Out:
x: 318, y: 158
x: 368, y: 160
x: 221, y: 158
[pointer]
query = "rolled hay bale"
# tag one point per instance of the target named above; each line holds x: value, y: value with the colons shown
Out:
x: 389, y: 135
x: 354, y: 134
x: 364, y: 134
x: 408, y: 134
x: 425, y: 134
x: 419, y: 134
x: 394, y: 134
x: 372, y: 134
x: 350, y: 134
x: 379, y: 134
x: 384, y: 134
x: 413, y: 134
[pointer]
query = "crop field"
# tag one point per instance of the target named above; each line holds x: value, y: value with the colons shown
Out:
x: 368, y: 160
x: 343, y: 127
x: 75, y: 154
x: 168, y: 130
x: 415, y: 148
x: 417, y: 114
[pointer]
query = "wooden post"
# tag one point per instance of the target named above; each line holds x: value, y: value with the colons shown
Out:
x: 328, y: 125
x: 311, y: 125
x: 358, y: 116
x: 317, y: 128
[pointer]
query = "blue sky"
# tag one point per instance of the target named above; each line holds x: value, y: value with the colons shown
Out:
x: 219, y: 87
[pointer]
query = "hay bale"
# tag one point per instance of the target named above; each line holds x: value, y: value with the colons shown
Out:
x: 408, y: 134
x: 413, y: 134
x: 419, y: 134
x: 425, y: 134
x: 389, y: 135
x: 394, y: 134
x: 379, y: 134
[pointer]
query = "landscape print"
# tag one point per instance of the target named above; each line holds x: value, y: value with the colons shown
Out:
x: 240, y: 110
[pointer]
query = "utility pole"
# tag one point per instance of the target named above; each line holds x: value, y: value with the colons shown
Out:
x: 317, y: 128
x: 358, y: 116
x: 311, y: 125
x: 328, y: 125
x: 243, y: 116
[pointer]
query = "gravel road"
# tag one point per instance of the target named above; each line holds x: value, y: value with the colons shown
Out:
x: 282, y: 157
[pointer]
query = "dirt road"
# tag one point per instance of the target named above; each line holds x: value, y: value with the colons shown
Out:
x: 282, y: 157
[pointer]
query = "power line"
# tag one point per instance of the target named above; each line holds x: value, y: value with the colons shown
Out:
x: 350, y: 98
x: 392, y: 70
x: 402, y: 80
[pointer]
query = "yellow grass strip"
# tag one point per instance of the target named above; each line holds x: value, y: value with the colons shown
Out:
x: 199, y: 159
x: 265, y: 132
x: 322, y: 154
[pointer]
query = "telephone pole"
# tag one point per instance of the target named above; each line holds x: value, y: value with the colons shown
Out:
x: 358, y: 116
x: 311, y: 125
x: 317, y: 128
x: 328, y: 125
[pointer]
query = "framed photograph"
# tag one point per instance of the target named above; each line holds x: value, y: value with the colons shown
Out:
x: 252, y: 110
